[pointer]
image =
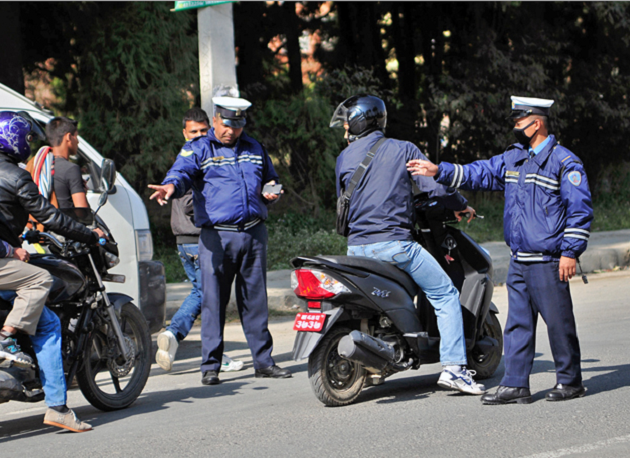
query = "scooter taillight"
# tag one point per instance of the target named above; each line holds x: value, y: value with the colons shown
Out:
x: 313, y: 285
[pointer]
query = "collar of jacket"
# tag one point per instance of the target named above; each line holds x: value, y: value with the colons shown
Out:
x: 543, y: 155
x: 539, y: 158
x: 10, y: 159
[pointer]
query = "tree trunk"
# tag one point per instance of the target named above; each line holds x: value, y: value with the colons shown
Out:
x: 248, y: 30
x: 292, y: 31
x: 11, y: 54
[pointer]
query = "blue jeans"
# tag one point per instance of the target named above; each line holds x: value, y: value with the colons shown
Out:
x: 436, y: 285
x: 47, y: 345
x: 183, y: 320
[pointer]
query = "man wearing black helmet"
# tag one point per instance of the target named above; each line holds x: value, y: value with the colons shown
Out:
x: 380, y: 222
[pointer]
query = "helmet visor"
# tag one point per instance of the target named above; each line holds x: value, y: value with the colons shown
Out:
x: 36, y: 132
x: 340, y: 116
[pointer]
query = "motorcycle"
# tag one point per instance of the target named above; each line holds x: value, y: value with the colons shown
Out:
x: 106, y: 341
x: 363, y: 325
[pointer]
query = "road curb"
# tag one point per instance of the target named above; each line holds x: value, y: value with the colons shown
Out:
x: 608, y: 254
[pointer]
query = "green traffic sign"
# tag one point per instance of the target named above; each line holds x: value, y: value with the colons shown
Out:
x: 181, y: 6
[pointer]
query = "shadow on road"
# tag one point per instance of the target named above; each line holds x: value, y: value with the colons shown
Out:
x: 32, y: 426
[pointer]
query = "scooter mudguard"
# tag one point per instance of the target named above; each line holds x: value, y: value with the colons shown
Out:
x: 306, y: 342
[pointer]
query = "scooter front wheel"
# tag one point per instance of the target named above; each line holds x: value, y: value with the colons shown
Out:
x: 335, y: 380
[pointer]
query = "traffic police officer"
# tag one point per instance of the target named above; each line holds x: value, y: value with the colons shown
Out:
x: 226, y: 170
x: 547, y: 220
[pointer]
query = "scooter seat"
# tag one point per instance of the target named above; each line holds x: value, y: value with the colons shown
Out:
x: 384, y: 269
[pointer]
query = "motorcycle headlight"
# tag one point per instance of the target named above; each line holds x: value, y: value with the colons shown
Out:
x: 112, y: 260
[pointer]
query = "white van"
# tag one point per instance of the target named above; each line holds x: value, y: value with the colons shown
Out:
x: 125, y: 215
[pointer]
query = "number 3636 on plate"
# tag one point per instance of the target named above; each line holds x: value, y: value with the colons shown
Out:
x: 310, y: 322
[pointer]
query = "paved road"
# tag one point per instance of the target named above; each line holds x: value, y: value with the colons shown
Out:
x: 407, y: 416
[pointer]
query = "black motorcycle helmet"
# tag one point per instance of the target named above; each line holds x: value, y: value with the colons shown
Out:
x: 363, y: 113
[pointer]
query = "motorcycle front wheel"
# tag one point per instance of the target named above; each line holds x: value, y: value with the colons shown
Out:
x: 335, y: 380
x: 106, y: 379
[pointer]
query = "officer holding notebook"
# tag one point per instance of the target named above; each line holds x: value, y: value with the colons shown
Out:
x: 227, y: 170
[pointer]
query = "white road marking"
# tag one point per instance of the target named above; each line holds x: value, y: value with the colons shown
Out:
x: 582, y: 448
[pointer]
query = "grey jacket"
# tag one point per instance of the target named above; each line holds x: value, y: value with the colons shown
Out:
x: 183, y: 220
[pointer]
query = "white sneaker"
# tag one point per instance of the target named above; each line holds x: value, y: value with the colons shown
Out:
x: 462, y: 380
x: 230, y: 365
x: 167, y: 348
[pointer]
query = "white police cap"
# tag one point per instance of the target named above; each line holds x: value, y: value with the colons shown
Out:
x: 525, y: 106
x: 231, y: 110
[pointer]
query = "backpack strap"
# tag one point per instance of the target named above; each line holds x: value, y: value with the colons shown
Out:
x: 360, y: 171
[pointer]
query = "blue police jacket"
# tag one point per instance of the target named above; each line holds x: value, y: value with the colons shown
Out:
x: 548, y: 210
x: 226, y: 181
x: 381, y: 207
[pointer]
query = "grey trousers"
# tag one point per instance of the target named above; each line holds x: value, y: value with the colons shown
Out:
x: 32, y: 286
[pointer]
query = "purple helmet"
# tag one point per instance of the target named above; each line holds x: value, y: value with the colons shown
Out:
x: 17, y: 130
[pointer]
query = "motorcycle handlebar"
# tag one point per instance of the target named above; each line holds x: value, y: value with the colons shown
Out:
x: 36, y: 237
x: 467, y: 215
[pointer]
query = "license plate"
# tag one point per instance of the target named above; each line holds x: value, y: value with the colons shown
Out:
x: 309, y: 322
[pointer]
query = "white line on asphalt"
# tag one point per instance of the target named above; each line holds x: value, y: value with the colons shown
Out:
x: 582, y: 448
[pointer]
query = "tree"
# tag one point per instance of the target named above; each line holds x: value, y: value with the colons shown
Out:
x: 11, y: 54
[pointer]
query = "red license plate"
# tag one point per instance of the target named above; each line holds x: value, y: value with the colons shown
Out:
x: 309, y: 322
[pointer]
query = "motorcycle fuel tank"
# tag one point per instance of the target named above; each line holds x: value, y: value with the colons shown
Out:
x: 67, y: 278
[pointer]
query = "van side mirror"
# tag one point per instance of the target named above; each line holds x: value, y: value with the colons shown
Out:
x: 108, y: 175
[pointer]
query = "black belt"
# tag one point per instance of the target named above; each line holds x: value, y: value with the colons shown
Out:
x: 237, y: 227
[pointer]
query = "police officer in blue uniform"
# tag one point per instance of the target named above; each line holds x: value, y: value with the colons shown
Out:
x: 226, y: 170
x: 547, y: 221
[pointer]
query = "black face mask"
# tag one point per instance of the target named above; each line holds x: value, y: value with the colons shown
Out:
x: 520, y: 135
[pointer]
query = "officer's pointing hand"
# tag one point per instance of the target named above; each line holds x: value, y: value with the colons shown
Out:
x: 420, y: 167
x: 567, y: 268
x: 162, y: 192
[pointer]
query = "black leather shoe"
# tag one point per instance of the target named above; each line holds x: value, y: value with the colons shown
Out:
x: 273, y: 372
x: 210, y: 378
x: 507, y: 395
x: 562, y: 392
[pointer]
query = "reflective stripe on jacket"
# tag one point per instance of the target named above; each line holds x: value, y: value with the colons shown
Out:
x: 548, y: 210
x: 226, y: 181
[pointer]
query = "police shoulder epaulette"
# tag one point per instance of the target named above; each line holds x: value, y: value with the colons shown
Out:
x: 186, y: 151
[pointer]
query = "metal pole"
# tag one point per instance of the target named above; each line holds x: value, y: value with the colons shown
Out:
x: 217, y: 57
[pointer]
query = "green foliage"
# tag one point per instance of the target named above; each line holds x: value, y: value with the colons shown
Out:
x: 131, y: 75
x: 173, y: 269
x: 286, y: 242
x: 296, y: 134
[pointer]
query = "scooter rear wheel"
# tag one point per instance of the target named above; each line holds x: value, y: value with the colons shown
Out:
x: 335, y: 380
x: 486, y: 364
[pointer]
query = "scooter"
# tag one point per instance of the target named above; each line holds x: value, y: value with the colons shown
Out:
x: 368, y: 320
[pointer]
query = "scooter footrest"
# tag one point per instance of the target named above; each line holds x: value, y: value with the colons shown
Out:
x: 423, y: 340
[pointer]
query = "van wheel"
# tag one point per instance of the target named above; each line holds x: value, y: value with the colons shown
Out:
x: 485, y: 362
x: 335, y: 380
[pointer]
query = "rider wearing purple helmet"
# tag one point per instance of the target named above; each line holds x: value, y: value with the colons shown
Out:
x: 19, y: 197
